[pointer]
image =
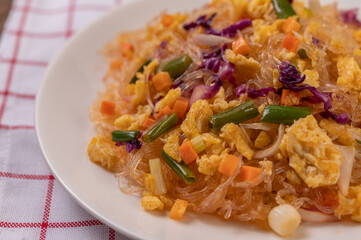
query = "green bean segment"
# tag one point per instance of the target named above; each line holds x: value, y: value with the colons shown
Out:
x: 160, y: 128
x: 302, y: 53
x: 283, y: 8
x: 284, y: 114
x: 181, y: 169
x: 140, y: 69
x: 238, y: 114
x: 178, y: 66
x: 125, y: 136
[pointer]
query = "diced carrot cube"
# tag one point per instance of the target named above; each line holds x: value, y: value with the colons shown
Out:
x: 162, y: 80
x: 228, y: 165
x: 241, y: 46
x: 148, y: 122
x: 107, y: 107
x: 180, y: 106
x: 249, y: 173
x: 178, y: 209
x: 165, y: 111
x: 291, y: 43
x: 187, y: 152
x: 290, y: 24
x: 167, y: 20
x: 115, y: 64
x: 290, y: 97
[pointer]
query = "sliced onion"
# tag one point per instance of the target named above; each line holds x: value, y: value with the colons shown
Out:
x: 315, y: 7
x: 210, y: 40
x: 274, y: 148
x: 316, y: 217
x: 258, y: 126
x: 348, y: 157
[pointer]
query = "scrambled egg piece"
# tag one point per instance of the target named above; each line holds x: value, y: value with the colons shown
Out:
x: 262, y: 140
x: 350, y: 204
x: 267, y: 165
x: 233, y: 135
x: 293, y: 177
x: 124, y: 122
x: 300, y: 9
x: 311, y: 153
x: 139, y: 97
x: 172, y: 145
x: 357, y: 35
x: 214, y: 145
x: 285, y: 55
x: 151, y: 203
x: 197, y: 118
x: 312, y: 77
x: 239, y: 8
x: 220, y: 105
x: 257, y: 8
x: 208, y: 164
x: 149, y: 182
x: 262, y: 31
x: 167, y: 202
x: 102, y: 150
x: 130, y: 122
x: 349, y: 73
x: 168, y: 99
x: 241, y: 61
x: 343, y: 133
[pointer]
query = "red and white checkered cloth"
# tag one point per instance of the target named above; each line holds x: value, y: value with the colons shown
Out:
x: 33, y: 205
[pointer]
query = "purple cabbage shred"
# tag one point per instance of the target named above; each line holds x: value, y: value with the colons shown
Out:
x: 132, y: 144
x: 205, y: 92
x: 350, y: 16
x: 254, y: 93
x: 315, y: 41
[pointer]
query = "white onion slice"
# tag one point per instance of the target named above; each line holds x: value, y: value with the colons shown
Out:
x: 348, y: 156
x: 274, y: 148
x: 210, y: 40
x: 316, y: 217
x: 259, y: 126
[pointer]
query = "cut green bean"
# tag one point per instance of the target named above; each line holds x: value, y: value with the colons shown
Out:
x: 302, y: 53
x: 181, y: 169
x: 283, y: 8
x: 140, y: 69
x: 125, y: 136
x: 238, y: 114
x: 178, y: 66
x: 358, y: 142
x: 284, y: 114
x: 160, y: 128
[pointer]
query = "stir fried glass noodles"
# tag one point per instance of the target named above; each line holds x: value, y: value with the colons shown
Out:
x: 249, y: 110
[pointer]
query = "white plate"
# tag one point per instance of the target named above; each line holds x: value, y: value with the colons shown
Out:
x: 70, y: 86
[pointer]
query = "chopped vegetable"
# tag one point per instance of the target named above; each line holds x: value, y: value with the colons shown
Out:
x: 162, y: 80
x: 127, y: 47
x: 241, y: 46
x: 205, y: 92
x: 249, y: 173
x: 148, y: 122
x: 284, y: 219
x: 284, y: 114
x: 198, y: 144
x: 187, y: 152
x: 165, y: 111
x: 228, y: 165
x: 140, y: 69
x: 160, y: 128
x: 359, y: 142
x: 238, y: 114
x: 350, y: 16
x: 291, y: 42
x: 115, y: 64
x: 178, y: 209
x: 180, y: 168
x: 302, y: 53
x: 283, y: 9
x: 167, y: 20
x: 290, y: 97
x: 290, y: 25
x: 125, y: 136
x: 157, y: 172
x: 107, y: 108
x: 180, y: 107
x: 178, y: 66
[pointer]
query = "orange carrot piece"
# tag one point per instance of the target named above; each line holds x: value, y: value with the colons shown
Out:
x: 180, y: 106
x: 148, y: 122
x: 291, y: 43
x: 290, y: 24
x: 127, y: 47
x: 107, y: 108
x: 241, y: 46
x: 228, y: 165
x: 178, y: 209
x: 165, y: 111
x: 162, y: 80
x: 249, y: 173
x: 187, y: 152
x: 115, y: 64
x: 290, y: 98
x: 167, y: 20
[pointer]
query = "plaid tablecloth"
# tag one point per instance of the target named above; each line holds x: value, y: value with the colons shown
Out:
x: 33, y: 205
